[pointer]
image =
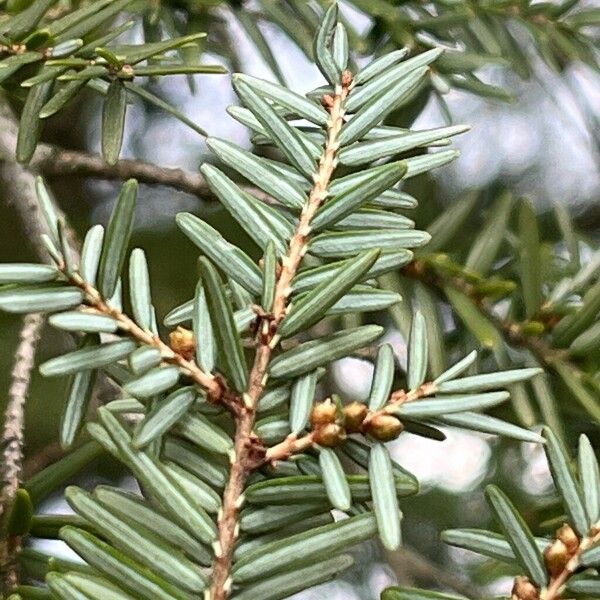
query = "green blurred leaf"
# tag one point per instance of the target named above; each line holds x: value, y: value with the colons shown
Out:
x: 334, y: 478
x: 116, y: 240
x: 30, y: 127
x: 113, y: 121
x: 229, y: 346
x: 487, y: 244
x: 531, y: 272
x: 518, y: 535
x: 405, y: 593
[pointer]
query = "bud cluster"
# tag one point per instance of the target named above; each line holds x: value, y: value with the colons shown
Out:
x: 558, y: 554
x: 523, y: 589
x: 330, y: 424
x: 326, y: 429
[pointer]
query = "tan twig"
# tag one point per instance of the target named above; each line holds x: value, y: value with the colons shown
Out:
x: 12, y: 436
x: 12, y: 439
x: 290, y: 446
x: 51, y: 160
x: 512, y: 331
x: 215, y: 388
x: 246, y: 444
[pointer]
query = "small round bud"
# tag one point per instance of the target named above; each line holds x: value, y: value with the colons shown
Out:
x: 182, y: 341
x: 384, y: 428
x: 355, y: 414
x: 523, y: 589
x: 569, y: 538
x: 556, y: 557
x: 327, y: 101
x: 323, y: 413
x: 329, y: 435
x: 128, y: 70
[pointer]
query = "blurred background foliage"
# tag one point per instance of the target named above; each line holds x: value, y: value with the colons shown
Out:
x: 523, y: 73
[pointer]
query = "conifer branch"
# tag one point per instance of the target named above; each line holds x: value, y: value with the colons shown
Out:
x: 245, y: 440
x: 512, y: 331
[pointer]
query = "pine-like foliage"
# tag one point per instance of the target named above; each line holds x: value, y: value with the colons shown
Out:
x: 51, y: 51
x: 549, y: 567
x: 49, y: 60
x: 323, y: 242
x: 244, y: 468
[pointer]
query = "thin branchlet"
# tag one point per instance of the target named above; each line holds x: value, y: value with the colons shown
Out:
x: 215, y: 387
x: 296, y: 445
x: 12, y: 441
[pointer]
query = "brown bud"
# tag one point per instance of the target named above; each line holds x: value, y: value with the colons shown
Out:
x: 323, y: 413
x: 327, y: 101
x: 347, y: 78
x: 569, y: 538
x: 182, y: 341
x: 329, y: 435
x: 523, y: 589
x: 355, y: 414
x: 384, y: 427
x: 556, y: 557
